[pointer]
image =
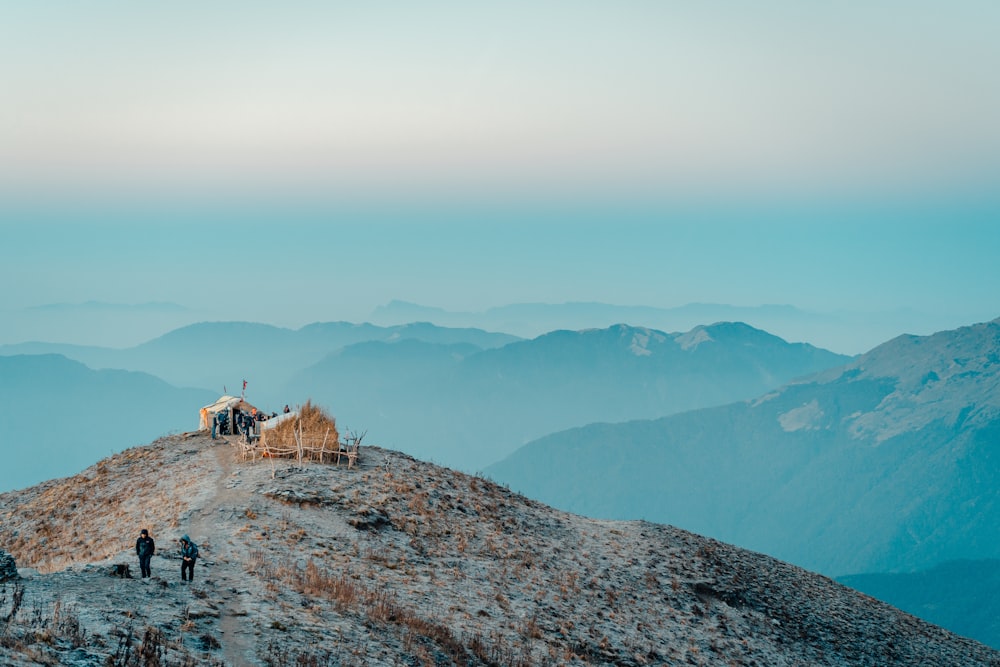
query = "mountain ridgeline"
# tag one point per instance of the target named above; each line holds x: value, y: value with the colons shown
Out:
x: 888, y: 463
x: 465, y: 397
x: 214, y: 355
x: 843, y: 330
x: 468, y: 408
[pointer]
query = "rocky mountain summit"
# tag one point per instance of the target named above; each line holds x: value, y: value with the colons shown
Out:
x: 401, y: 562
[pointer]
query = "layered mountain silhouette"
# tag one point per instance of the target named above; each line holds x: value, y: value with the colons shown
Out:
x: 468, y: 408
x: 60, y: 416
x: 463, y: 397
x: 401, y: 562
x: 98, y: 323
x: 886, y: 464
x: 218, y: 355
x: 843, y: 331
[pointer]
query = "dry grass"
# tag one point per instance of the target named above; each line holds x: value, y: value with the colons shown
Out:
x: 383, y: 608
x: 312, y: 434
x: 409, y: 563
x: 86, y: 514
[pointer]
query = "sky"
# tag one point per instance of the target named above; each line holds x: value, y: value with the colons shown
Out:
x: 324, y: 158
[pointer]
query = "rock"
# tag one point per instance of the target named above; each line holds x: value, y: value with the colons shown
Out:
x: 8, y: 568
x: 368, y: 518
x: 120, y: 570
x: 198, y: 610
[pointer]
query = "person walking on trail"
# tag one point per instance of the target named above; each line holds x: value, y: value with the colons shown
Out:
x: 144, y: 549
x: 189, y: 554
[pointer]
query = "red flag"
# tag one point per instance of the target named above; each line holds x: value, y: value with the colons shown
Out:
x: 244, y: 385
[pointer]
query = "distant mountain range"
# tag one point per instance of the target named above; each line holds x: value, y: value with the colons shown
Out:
x: 59, y: 416
x: 465, y: 397
x: 886, y: 464
x: 842, y: 331
x: 95, y: 322
x: 467, y: 408
x: 220, y: 355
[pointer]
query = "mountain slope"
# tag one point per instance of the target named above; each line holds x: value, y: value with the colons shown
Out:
x: 403, y: 562
x: 469, y: 409
x: 53, y: 407
x: 963, y: 596
x: 889, y: 463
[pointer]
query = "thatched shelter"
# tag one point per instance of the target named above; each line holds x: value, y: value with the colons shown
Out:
x: 308, y: 433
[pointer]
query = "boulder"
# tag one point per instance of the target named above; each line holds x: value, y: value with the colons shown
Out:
x: 8, y: 568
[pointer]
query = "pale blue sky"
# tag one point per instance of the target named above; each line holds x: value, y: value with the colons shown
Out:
x: 829, y: 156
x: 634, y: 98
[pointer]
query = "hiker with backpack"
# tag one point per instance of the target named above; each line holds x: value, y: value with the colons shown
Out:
x: 145, y: 547
x: 189, y: 554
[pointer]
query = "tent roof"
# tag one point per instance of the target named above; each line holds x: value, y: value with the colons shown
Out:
x: 223, y: 403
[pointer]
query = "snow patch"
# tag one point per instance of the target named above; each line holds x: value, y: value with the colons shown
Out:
x: 765, y: 398
x: 693, y: 339
x: 806, y: 417
x: 639, y: 345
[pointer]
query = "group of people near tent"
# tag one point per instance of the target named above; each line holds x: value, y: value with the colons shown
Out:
x: 234, y: 416
x: 244, y: 422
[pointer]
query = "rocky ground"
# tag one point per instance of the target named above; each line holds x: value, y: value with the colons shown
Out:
x: 400, y: 562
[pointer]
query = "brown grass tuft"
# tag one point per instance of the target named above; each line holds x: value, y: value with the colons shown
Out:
x: 313, y: 428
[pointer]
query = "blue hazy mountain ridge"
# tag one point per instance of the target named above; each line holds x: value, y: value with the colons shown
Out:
x: 467, y: 408
x: 387, y: 389
x: 114, y: 325
x: 841, y: 330
x: 219, y: 355
x: 962, y: 595
x: 886, y: 464
x: 60, y: 416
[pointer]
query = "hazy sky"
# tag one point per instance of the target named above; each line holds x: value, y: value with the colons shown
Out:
x: 326, y: 157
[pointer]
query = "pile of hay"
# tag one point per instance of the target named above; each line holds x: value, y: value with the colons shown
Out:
x: 311, y: 434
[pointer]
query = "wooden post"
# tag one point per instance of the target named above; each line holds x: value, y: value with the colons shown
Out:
x: 299, y: 442
x: 322, y: 449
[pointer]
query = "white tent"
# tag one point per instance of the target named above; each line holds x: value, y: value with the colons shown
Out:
x: 224, y: 404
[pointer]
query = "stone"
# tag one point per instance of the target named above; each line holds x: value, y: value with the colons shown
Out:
x: 8, y: 568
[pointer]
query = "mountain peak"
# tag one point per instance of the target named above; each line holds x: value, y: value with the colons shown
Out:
x: 950, y: 376
x: 730, y: 332
x: 401, y: 560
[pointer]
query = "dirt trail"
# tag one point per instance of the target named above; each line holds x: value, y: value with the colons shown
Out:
x: 220, y: 568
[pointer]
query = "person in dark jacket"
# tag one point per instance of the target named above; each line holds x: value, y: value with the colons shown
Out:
x: 144, y: 549
x: 189, y: 554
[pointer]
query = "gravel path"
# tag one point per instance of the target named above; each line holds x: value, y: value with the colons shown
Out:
x: 212, y: 524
